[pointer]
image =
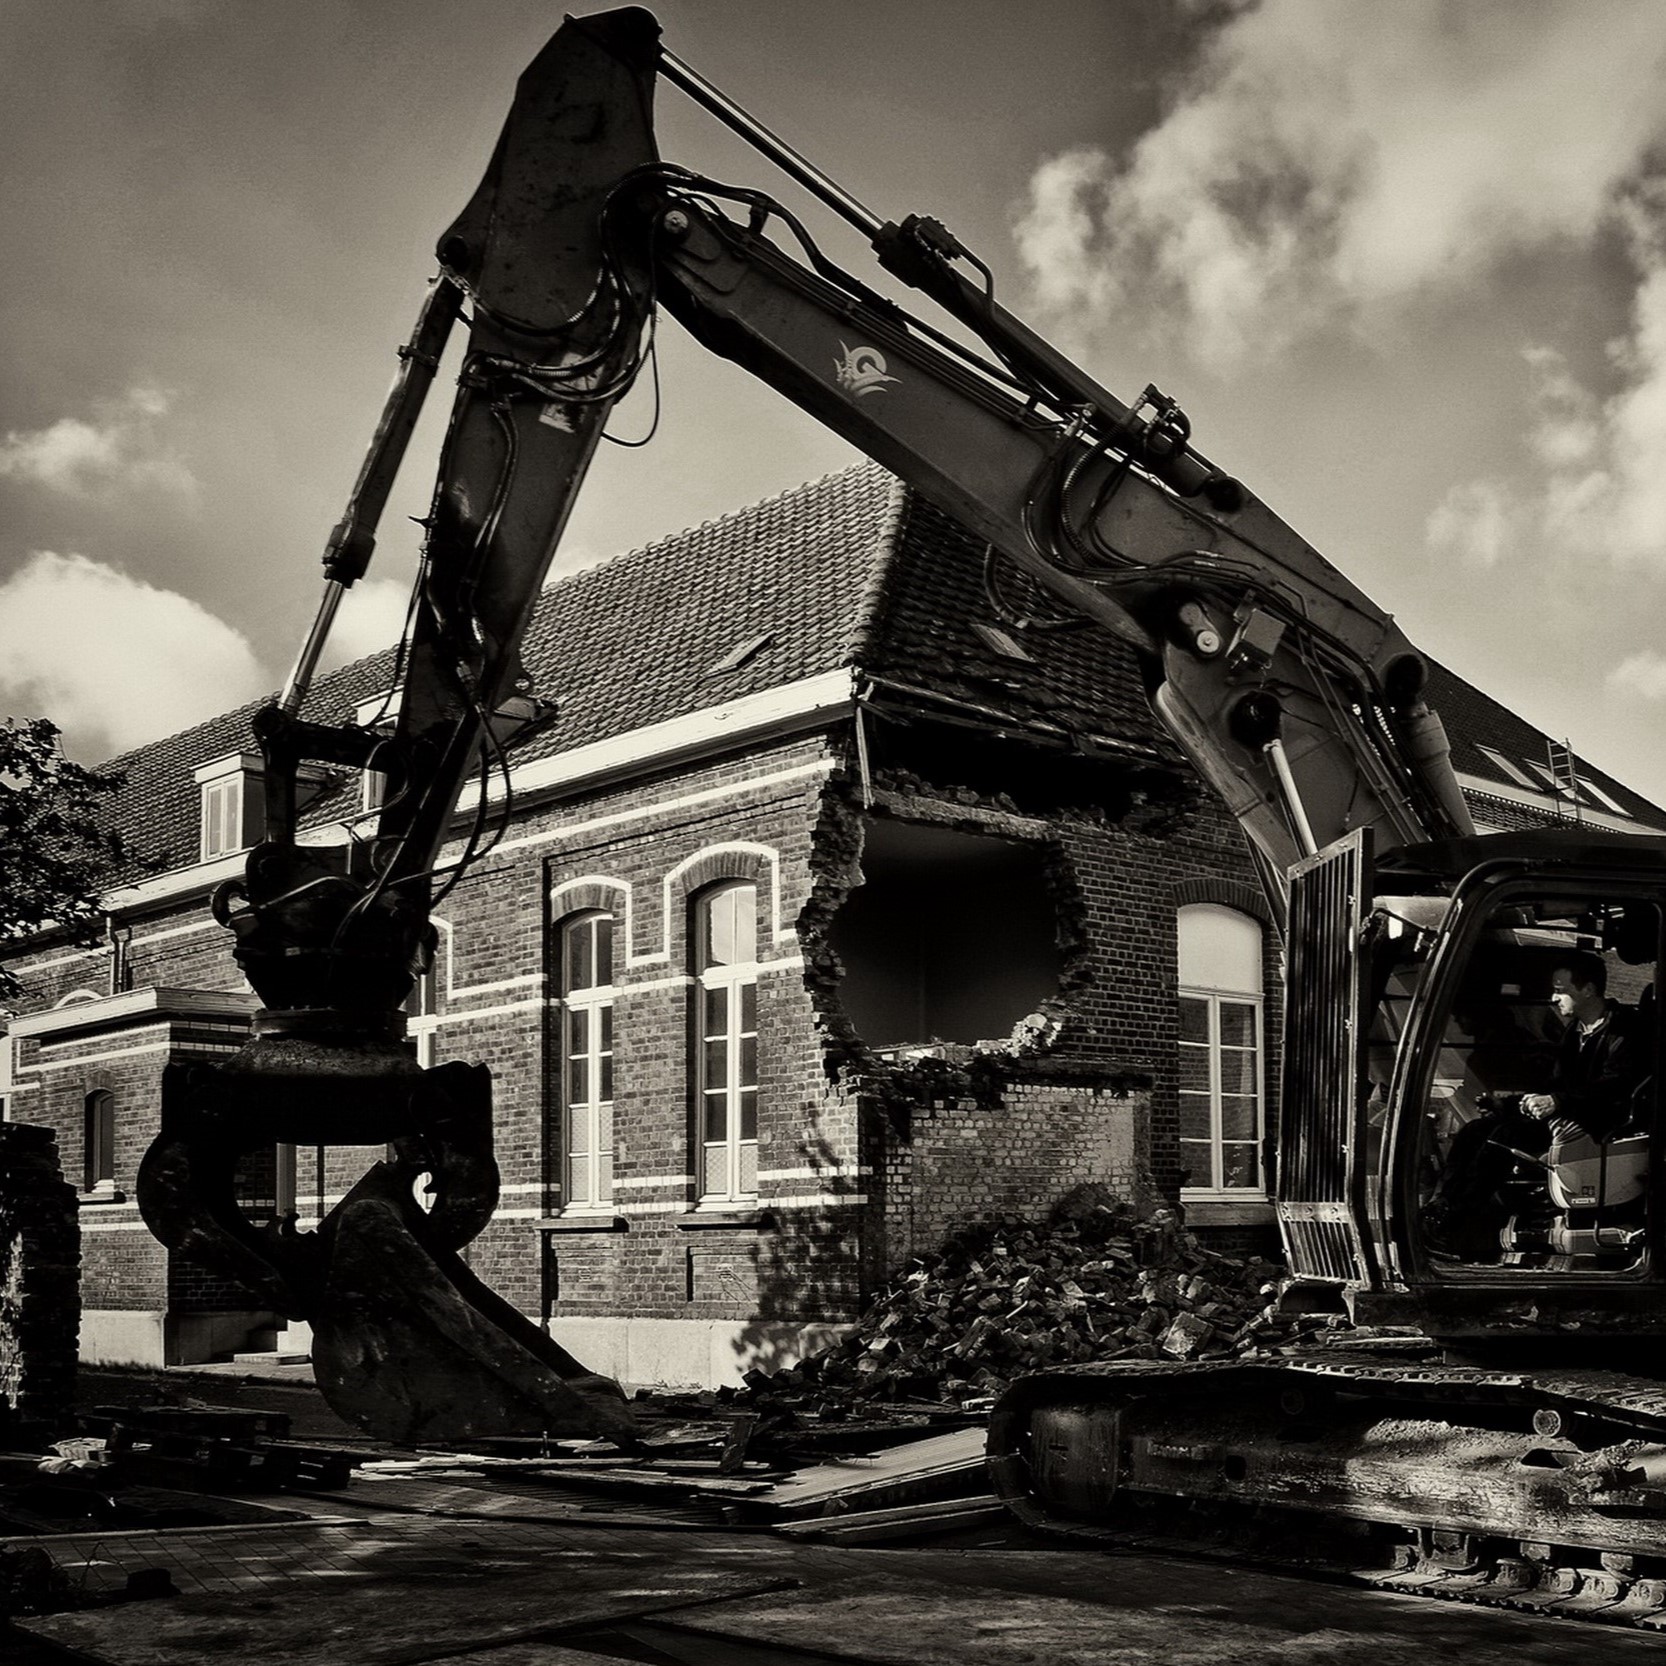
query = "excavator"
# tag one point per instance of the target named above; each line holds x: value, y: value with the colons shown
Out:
x: 1488, y: 1415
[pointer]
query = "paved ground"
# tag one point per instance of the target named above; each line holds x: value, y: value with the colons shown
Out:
x: 499, y: 1571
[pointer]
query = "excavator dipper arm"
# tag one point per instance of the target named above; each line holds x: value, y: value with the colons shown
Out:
x: 407, y: 1340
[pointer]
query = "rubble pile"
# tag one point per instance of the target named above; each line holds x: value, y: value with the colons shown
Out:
x: 1004, y: 1297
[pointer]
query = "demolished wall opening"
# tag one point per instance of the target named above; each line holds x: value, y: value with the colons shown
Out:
x: 950, y: 936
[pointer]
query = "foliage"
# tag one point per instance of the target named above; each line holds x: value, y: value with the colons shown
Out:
x: 56, y: 855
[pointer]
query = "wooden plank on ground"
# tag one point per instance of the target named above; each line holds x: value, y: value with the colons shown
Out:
x: 919, y: 1470
x: 897, y: 1525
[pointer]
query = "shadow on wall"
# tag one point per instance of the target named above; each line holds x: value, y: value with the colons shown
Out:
x: 807, y: 1273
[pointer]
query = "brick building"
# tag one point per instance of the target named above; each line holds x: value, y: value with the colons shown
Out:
x: 835, y: 907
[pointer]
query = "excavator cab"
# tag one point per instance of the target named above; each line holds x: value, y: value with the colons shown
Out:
x: 1493, y: 1427
x: 1496, y: 1186
x: 1488, y: 1154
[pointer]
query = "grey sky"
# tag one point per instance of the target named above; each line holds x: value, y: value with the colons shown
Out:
x: 1403, y: 264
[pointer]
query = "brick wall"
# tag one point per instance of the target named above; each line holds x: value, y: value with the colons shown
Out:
x: 1020, y: 1155
x: 123, y: 1266
x: 40, y: 1307
x: 856, y: 1171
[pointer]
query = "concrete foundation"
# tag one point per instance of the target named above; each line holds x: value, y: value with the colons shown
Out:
x: 120, y: 1336
x: 689, y: 1353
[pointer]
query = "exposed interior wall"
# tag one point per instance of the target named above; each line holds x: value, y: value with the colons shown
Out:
x: 949, y: 937
x: 40, y: 1272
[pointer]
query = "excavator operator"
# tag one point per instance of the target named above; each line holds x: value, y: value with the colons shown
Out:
x: 1601, y: 1061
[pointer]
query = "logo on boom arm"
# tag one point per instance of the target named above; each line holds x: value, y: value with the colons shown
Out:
x: 862, y: 370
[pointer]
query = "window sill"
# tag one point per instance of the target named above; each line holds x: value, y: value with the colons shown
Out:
x: 737, y: 1217
x: 1227, y: 1211
x: 100, y: 1195
x: 582, y: 1223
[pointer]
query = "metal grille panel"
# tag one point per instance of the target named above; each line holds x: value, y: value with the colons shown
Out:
x: 1321, y: 1248
x: 1317, y: 1185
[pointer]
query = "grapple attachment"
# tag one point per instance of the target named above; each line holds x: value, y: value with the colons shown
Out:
x: 407, y: 1342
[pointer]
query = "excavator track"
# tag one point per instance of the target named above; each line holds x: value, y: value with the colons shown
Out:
x: 1541, y: 1490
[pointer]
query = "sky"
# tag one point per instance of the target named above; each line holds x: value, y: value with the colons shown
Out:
x: 1403, y: 264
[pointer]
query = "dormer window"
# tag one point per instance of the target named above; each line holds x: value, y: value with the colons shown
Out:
x: 379, y: 714
x: 233, y: 803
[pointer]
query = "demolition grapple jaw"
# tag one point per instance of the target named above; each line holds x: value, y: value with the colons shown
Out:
x: 407, y: 1342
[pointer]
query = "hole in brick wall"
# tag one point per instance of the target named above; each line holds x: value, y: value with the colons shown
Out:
x: 950, y: 937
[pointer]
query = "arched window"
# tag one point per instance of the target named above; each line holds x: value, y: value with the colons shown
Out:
x: 98, y: 1135
x: 1221, y: 1112
x: 726, y: 954
x: 587, y: 1059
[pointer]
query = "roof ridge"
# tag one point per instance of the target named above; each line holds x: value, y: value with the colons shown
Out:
x: 865, y: 628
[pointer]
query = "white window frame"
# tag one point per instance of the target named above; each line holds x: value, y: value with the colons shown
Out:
x: 227, y: 813
x: 726, y: 1164
x: 1212, y: 995
x: 222, y: 817
x: 422, y: 1007
x: 1509, y: 767
x: 587, y: 1118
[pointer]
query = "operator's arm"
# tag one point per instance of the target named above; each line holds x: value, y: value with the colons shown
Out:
x: 1593, y: 1086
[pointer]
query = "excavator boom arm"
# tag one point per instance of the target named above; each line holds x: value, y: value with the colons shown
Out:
x: 1292, y: 692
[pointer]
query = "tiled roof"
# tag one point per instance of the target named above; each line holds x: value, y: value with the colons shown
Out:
x: 851, y: 570
x: 640, y: 639
x: 1475, y: 721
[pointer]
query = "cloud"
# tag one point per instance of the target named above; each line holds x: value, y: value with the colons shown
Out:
x: 371, y: 618
x: 1320, y: 161
x: 113, y: 661
x: 1643, y: 675
x: 1474, y: 522
x: 1597, y: 491
x: 124, y: 446
x: 571, y: 559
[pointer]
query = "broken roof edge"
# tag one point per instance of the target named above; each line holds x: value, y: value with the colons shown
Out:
x: 1086, y: 743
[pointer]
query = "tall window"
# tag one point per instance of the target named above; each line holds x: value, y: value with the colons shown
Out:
x: 1220, y: 1050
x: 422, y: 1008
x: 233, y: 802
x: 587, y: 1059
x: 726, y: 955
x: 222, y: 816
x: 99, y: 1139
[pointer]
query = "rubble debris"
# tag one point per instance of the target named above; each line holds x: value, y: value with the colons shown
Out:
x: 1005, y: 1297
